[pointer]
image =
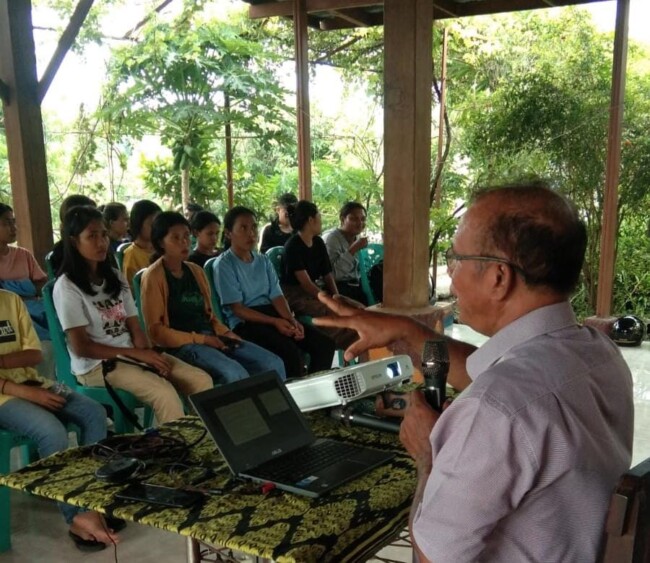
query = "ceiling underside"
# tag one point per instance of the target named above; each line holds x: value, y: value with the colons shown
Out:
x: 339, y: 14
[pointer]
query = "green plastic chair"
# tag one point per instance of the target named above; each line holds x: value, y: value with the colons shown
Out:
x: 119, y: 254
x: 65, y: 375
x: 137, y: 297
x: 51, y: 274
x: 208, y: 268
x: 8, y: 441
x: 368, y: 257
x: 276, y: 255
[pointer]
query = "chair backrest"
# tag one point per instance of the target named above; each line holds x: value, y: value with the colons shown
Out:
x: 276, y: 255
x: 119, y: 254
x: 627, y: 528
x: 208, y: 267
x: 137, y: 297
x: 368, y: 257
x: 61, y: 353
x: 51, y: 274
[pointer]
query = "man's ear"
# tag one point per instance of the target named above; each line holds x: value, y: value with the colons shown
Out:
x: 503, y: 280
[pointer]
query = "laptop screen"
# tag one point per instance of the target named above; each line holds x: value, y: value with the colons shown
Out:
x: 252, y: 420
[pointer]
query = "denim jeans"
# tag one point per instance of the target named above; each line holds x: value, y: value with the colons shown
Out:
x: 48, y: 429
x: 247, y: 359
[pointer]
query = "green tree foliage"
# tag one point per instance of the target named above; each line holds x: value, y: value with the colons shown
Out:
x: 173, y: 82
x: 537, y: 104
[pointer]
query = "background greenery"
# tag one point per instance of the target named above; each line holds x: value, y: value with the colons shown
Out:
x: 528, y: 96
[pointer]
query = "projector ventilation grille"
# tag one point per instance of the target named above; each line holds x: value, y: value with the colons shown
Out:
x: 348, y: 386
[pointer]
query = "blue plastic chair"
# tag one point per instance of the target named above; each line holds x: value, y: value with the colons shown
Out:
x: 65, y: 375
x: 368, y: 257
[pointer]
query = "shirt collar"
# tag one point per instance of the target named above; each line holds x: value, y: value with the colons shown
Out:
x: 536, y: 323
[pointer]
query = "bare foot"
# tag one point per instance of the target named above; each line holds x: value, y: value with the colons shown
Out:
x: 92, y: 526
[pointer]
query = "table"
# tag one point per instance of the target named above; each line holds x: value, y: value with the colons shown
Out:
x: 349, y: 524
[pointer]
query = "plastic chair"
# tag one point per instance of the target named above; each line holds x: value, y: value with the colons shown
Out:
x: 51, y: 274
x: 276, y: 255
x: 368, y: 257
x: 137, y: 280
x: 208, y: 268
x: 65, y: 375
x: 119, y: 254
x: 8, y: 441
x: 627, y: 528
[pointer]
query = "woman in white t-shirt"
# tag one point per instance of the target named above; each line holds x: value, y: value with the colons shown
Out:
x: 98, y: 314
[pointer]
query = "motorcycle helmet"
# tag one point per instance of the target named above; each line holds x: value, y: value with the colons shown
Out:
x: 628, y: 331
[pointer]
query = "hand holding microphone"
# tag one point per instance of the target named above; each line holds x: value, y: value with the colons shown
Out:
x: 435, y: 367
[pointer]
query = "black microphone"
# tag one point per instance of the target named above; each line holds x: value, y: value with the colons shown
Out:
x: 435, y: 367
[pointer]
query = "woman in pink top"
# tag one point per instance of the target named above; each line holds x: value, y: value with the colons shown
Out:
x: 20, y: 272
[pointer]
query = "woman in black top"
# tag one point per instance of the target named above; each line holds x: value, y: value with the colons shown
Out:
x: 279, y: 231
x: 307, y: 269
x: 205, y: 229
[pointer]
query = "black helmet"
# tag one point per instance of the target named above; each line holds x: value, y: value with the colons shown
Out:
x: 628, y: 331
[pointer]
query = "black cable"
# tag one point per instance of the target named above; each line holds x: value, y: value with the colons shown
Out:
x: 149, y: 447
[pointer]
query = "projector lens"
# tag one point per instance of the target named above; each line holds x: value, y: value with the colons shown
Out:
x: 393, y: 369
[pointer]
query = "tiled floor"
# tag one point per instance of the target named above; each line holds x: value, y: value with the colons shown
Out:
x: 39, y: 533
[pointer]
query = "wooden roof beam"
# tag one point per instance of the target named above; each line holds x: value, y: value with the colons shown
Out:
x: 486, y: 7
x: 444, y: 9
x: 67, y: 39
x: 357, y: 17
x: 345, y: 23
x: 285, y: 8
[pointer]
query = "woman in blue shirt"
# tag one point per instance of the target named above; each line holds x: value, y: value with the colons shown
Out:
x: 253, y: 302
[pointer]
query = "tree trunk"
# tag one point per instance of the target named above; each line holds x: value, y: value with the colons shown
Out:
x: 185, y: 187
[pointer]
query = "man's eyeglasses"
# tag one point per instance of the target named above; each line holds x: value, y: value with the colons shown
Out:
x: 451, y: 258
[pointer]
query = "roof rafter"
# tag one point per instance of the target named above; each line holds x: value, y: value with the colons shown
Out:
x: 285, y: 8
x: 67, y: 39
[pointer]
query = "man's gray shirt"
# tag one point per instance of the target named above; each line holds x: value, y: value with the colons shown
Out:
x: 344, y: 264
x: 526, y: 458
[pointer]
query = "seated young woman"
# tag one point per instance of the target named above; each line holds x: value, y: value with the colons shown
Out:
x: 98, y: 314
x: 205, y: 227
x: 178, y: 313
x: 254, y: 305
x: 117, y: 222
x: 30, y: 407
x: 138, y: 255
x: 279, y: 230
x: 20, y: 272
x: 307, y: 270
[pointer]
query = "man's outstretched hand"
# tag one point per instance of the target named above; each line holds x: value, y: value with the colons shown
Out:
x: 375, y: 330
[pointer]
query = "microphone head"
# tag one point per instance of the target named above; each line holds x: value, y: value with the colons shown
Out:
x: 435, y: 356
x: 435, y: 367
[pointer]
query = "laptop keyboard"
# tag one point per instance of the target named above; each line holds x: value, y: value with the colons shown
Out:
x: 304, y: 461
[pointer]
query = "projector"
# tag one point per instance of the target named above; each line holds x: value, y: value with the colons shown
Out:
x: 336, y: 387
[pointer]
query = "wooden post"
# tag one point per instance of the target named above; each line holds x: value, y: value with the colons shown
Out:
x: 408, y: 74
x: 24, y: 128
x: 302, y: 95
x: 608, y: 235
